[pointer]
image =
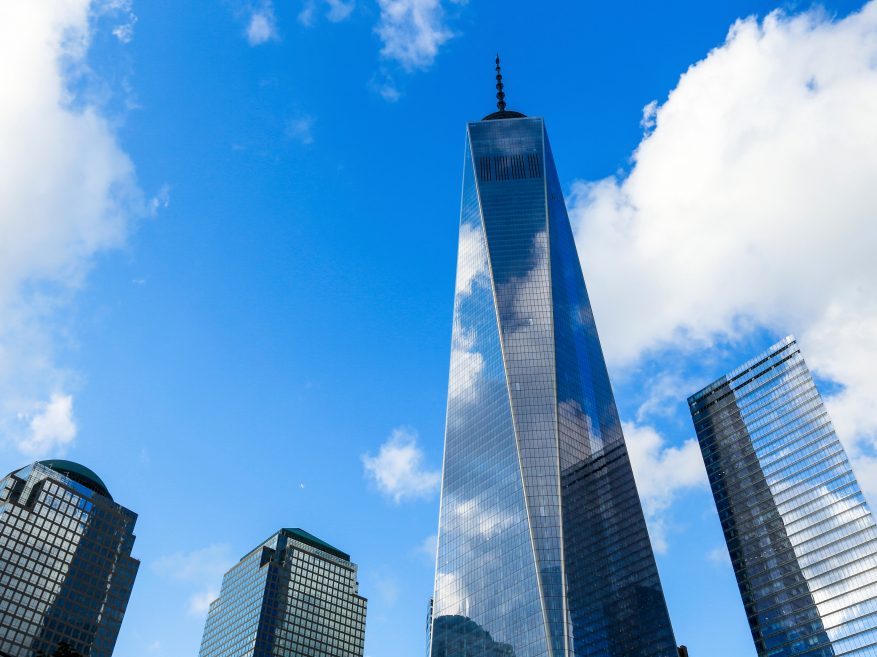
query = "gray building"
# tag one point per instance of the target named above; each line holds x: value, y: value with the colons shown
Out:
x: 800, y: 534
x: 294, y: 594
x: 542, y: 544
x: 66, y: 570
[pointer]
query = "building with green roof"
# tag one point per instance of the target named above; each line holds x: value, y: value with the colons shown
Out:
x: 66, y: 570
x: 293, y: 594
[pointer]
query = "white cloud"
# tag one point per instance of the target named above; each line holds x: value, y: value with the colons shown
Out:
x: 124, y: 9
x: 301, y: 129
x: 389, y: 93
x: 661, y: 472
x: 750, y: 203
x: 161, y: 200
x: 398, y: 469
x: 665, y: 392
x: 338, y: 10
x: 261, y: 25
x: 67, y: 193
x: 51, y: 429
x: 412, y: 31
x: 202, y: 568
x: 384, y: 84
x: 306, y: 15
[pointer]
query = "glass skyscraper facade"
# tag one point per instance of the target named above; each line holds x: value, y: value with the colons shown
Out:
x: 800, y: 535
x: 542, y: 543
x: 294, y: 594
x: 66, y: 571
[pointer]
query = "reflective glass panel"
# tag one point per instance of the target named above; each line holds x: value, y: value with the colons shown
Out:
x: 800, y: 534
x: 543, y: 548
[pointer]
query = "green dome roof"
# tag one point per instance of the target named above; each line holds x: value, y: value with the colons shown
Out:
x: 80, y: 474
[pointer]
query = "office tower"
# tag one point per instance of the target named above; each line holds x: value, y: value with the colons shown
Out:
x: 542, y: 543
x: 801, y: 536
x: 292, y: 595
x: 66, y: 570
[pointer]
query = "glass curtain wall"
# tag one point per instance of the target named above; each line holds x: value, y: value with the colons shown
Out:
x: 542, y: 548
x: 800, y: 534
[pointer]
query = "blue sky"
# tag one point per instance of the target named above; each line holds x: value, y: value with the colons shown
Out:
x: 227, y: 252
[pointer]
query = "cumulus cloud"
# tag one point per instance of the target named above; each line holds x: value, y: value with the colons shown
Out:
x: 202, y: 569
x: 67, y: 193
x: 662, y: 472
x: 398, y: 470
x: 261, y: 24
x: 412, y: 31
x: 750, y: 205
x: 51, y: 429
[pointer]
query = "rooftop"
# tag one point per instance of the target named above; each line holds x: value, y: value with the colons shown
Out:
x: 78, y: 473
x: 741, y: 369
x: 309, y: 539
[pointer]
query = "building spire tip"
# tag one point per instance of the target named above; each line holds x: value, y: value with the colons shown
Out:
x: 500, y: 94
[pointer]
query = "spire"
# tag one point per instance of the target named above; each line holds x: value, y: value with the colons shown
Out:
x: 500, y: 95
x: 502, y: 112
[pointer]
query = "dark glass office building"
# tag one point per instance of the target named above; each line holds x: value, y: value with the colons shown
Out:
x: 800, y: 534
x: 542, y: 545
x: 66, y: 571
x: 293, y: 595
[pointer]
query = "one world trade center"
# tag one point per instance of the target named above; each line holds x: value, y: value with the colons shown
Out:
x: 542, y: 544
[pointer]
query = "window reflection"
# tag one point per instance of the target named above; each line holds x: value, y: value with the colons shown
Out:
x: 801, y: 537
x: 542, y: 542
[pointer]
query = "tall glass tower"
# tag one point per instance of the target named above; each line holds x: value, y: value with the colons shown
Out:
x: 801, y: 537
x: 66, y: 570
x: 542, y: 544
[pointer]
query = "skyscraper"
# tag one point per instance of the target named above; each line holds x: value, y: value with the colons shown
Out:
x: 66, y: 571
x: 294, y: 594
x: 800, y: 534
x: 542, y: 544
